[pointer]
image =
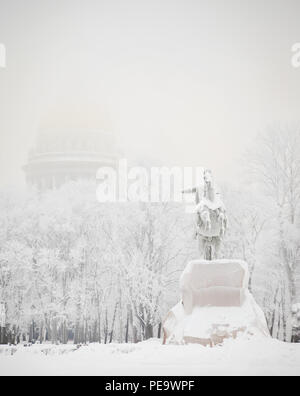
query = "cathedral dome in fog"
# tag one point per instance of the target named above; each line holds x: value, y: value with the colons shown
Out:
x: 62, y: 155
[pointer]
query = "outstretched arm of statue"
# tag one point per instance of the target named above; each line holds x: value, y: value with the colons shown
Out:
x: 189, y: 191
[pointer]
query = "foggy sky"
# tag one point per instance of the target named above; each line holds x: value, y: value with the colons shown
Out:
x: 183, y: 81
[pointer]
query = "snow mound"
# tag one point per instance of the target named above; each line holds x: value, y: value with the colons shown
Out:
x: 242, y: 356
x: 216, y: 304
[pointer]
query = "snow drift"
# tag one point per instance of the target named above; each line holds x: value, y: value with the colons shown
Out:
x: 216, y: 304
x: 241, y: 356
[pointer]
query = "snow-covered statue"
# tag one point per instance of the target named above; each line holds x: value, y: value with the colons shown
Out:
x: 211, y: 218
x: 216, y: 303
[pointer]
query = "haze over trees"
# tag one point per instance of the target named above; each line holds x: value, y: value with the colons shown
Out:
x: 72, y: 269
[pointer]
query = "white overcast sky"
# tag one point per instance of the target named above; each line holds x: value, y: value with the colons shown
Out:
x: 187, y: 82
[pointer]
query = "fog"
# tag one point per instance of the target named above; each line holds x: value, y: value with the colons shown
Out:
x: 180, y: 82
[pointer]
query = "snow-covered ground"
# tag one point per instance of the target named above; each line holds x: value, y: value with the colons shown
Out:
x: 235, y: 357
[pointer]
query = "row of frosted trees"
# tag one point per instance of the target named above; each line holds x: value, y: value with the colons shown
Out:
x: 71, y: 268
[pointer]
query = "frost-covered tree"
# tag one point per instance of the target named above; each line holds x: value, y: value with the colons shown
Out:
x: 274, y: 164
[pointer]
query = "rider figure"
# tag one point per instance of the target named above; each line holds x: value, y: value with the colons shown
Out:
x: 211, y: 215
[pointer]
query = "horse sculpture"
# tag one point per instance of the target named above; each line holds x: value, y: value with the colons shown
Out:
x: 211, y: 221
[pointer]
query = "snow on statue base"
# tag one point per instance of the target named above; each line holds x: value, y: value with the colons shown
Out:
x: 216, y: 304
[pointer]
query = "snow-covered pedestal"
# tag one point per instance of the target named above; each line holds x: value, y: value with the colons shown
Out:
x: 216, y: 304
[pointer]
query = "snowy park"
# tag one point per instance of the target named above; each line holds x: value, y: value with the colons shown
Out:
x: 150, y: 288
x: 149, y: 188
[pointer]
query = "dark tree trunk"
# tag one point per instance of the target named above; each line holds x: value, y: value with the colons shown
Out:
x: 106, y: 328
x: 159, y: 330
x: 127, y: 329
x: 133, y: 327
x: 113, y: 324
x: 148, y: 331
